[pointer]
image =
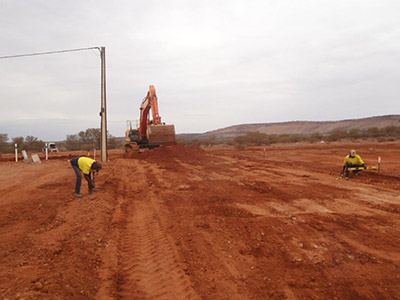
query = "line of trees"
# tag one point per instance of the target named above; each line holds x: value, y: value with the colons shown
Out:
x: 84, y: 140
x: 29, y: 143
x: 88, y: 140
x: 389, y: 133
x: 372, y: 132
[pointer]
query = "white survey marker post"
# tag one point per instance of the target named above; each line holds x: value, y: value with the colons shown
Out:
x: 16, y: 152
x: 47, y: 151
x: 379, y: 163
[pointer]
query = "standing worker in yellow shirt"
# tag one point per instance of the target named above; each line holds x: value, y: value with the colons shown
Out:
x: 352, y: 160
x: 87, y: 166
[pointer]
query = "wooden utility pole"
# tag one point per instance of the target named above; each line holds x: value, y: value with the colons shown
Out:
x: 103, y: 112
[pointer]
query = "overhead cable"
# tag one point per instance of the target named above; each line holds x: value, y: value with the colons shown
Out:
x: 48, y: 52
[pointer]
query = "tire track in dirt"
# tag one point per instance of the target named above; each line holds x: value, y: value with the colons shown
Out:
x: 390, y: 256
x: 304, y: 176
x: 148, y: 265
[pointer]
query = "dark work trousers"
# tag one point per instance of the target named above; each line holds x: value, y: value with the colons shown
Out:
x: 355, y: 171
x: 75, y: 166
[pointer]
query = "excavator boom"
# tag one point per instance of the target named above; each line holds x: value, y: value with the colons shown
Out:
x: 149, y: 103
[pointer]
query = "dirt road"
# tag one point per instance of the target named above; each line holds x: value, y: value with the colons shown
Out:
x: 184, y: 223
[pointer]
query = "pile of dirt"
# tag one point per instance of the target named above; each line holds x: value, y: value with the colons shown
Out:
x: 131, y: 155
x: 175, y: 151
x: 171, y: 153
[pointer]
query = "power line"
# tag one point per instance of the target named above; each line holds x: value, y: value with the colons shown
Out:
x: 49, y: 52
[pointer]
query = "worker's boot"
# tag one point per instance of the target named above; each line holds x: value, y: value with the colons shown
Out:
x: 93, y: 190
x: 77, y: 195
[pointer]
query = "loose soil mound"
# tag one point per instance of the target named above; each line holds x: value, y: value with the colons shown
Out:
x: 169, y: 155
x: 172, y: 152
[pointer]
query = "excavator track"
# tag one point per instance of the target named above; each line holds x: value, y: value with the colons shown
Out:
x: 131, y: 147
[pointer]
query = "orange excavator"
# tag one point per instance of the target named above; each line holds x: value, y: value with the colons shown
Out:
x: 151, y: 133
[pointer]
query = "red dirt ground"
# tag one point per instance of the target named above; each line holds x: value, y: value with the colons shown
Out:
x: 185, y: 223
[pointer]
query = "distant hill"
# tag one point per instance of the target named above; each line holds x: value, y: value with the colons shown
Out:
x: 298, y: 127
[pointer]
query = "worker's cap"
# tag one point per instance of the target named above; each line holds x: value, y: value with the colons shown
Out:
x: 353, y: 152
x: 97, y: 166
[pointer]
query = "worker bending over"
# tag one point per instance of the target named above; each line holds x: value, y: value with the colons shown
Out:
x: 87, y: 166
x: 352, y: 160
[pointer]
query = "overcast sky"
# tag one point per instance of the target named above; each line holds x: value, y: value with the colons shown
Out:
x: 214, y: 63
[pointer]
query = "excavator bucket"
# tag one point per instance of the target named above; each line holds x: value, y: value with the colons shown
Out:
x: 161, y: 134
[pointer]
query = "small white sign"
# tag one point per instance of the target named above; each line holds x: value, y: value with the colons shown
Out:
x: 24, y: 154
x: 36, y: 158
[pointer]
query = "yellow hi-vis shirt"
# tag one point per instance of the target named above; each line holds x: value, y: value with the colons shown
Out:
x: 356, y: 160
x: 85, y: 163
